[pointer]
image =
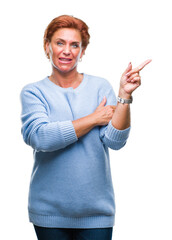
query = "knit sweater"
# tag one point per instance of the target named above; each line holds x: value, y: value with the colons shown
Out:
x: 71, y: 184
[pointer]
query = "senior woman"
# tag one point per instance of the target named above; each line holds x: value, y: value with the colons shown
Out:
x: 70, y: 119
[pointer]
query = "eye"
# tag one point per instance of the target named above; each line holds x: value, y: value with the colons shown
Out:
x: 75, y: 45
x: 59, y: 43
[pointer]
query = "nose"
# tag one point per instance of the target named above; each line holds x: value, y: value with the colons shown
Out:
x: 66, y: 50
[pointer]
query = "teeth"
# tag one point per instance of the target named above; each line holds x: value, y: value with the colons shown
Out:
x: 63, y: 59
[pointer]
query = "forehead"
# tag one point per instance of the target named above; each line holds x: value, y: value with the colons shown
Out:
x: 68, y: 34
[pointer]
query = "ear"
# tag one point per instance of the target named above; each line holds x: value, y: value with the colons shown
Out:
x: 47, y: 48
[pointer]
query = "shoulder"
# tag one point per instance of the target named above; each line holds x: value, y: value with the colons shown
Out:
x: 32, y: 91
x: 98, y: 80
x: 33, y: 87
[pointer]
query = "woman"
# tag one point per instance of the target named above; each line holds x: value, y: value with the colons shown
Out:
x: 70, y: 120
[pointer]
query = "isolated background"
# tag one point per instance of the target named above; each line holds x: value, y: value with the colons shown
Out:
x: 121, y: 31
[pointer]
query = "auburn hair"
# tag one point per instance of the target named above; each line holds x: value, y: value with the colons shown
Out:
x: 66, y: 21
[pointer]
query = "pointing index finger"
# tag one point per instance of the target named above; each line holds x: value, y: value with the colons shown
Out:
x: 139, y: 68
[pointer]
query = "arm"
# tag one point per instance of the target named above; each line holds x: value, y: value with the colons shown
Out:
x: 37, y: 130
x: 84, y: 125
x: 116, y: 133
x: 112, y: 136
x: 101, y: 116
x: 121, y: 117
x: 130, y: 81
x: 43, y: 135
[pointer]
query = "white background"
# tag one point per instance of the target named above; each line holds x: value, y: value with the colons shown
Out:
x: 121, y: 31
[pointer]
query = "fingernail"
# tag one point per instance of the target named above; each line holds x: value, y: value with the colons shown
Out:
x: 127, y: 74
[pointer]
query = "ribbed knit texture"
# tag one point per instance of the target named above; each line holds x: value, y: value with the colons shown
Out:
x: 71, y: 184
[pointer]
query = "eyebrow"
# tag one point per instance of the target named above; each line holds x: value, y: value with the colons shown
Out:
x: 65, y: 41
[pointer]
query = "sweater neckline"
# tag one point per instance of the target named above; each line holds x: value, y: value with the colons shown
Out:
x: 81, y: 85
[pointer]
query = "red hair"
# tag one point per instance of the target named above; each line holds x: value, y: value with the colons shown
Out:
x: 66, y: 21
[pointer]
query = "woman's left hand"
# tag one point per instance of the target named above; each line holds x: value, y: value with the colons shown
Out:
x: 131, y: 79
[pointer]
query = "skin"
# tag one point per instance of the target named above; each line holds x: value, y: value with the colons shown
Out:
x: 129, y: 82
x: 67, y: 43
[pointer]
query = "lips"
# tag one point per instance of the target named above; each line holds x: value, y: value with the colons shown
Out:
x: 65, y: 59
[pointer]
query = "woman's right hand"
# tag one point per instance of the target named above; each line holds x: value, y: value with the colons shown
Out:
x: 103, y: 114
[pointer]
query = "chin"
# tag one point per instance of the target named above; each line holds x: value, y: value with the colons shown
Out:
x: 65, y: 69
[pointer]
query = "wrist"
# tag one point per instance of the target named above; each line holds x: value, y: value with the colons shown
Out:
x: 123, y: 94
x: 92, y: 119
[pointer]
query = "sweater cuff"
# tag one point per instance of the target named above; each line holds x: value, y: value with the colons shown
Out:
x: 68, y: 132
x: 115, y: 134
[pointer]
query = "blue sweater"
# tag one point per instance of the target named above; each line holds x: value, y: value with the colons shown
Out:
x: 71, y: 184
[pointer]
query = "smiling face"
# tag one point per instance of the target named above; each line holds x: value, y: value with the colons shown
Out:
x: 65, y: 49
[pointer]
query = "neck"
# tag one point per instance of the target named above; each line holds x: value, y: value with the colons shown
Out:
x: 65, y: 80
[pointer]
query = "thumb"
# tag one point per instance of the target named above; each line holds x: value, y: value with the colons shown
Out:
x: 128, y: 68
x: 103, y: 102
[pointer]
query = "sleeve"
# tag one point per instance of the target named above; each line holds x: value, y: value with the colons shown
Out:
x: 37, y: 130
x: 109, y: 135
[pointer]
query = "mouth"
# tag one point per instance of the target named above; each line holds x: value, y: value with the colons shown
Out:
x: 65, y: 60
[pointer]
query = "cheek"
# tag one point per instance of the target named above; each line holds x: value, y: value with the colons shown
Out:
x: 55, y: 51
x: 78, y: 54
